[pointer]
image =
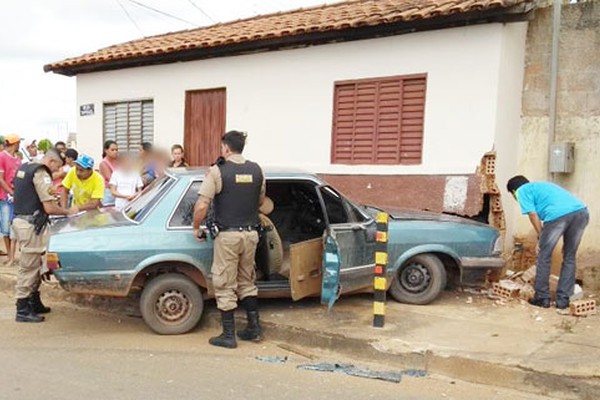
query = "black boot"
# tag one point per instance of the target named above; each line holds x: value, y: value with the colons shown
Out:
x: 25, y: 312
x: 227, y: 338
x: 253, y: 330
x: 37, y: 305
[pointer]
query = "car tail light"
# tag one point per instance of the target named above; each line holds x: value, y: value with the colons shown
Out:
x: 52, y: 261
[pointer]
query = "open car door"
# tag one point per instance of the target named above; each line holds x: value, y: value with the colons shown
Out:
x: 305, y: 274
x: 349, y: 245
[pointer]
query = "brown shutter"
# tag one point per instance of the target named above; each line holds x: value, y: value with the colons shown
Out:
x: 379, y: 121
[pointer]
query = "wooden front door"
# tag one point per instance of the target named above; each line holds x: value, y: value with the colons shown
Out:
x: 204, y: 125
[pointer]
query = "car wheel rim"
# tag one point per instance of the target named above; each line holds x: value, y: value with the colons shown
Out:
x: 415, y: 278
x: 172, y: 307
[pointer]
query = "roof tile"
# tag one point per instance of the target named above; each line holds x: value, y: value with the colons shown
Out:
x: 333, y: 17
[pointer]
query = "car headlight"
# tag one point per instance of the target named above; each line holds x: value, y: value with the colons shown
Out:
x: 498, y: 245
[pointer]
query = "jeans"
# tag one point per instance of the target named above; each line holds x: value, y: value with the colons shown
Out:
x: 570, y: 227
x: 6, y: 217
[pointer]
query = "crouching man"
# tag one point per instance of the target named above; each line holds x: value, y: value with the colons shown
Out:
x: 33, y: 203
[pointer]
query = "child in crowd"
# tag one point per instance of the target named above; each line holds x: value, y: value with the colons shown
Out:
x: 58, y: 176
x: 125, y: 181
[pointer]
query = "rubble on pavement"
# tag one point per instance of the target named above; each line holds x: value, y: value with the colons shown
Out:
x: 519, y: 285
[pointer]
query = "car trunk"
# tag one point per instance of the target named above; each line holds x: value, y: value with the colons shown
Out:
x: 94, y: 219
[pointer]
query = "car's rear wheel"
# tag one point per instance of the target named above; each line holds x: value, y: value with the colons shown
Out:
x: 171, y: 304
x: 419, y: 280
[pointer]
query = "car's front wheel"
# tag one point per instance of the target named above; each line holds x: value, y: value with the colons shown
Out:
x: 419, y: 280
x: 171, y: 304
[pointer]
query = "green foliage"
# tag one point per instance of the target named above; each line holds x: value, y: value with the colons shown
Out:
x: 45, y: 145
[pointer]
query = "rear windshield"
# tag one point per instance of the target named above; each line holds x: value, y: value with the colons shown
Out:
x: 140, y: 207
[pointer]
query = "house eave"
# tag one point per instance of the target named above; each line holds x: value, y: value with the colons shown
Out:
x: 520, y: 13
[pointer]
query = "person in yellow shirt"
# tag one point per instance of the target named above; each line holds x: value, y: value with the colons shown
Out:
x: 86, y: 185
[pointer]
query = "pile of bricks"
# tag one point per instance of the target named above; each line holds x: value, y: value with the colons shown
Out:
x: 520, y: 286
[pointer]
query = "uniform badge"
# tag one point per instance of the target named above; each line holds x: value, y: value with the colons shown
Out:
x: 243, y: 178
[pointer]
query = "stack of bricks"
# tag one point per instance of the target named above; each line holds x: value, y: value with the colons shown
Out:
x: 487, y: 170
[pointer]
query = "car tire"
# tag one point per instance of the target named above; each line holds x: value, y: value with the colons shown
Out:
x: 171, y: 304
x: 419, y: 280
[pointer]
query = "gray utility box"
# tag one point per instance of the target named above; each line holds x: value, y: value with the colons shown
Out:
x: 562, y: 157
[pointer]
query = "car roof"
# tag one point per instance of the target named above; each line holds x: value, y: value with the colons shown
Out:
x: 270, y: 172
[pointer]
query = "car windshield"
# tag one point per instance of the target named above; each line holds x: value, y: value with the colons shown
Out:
x: 140, y: 207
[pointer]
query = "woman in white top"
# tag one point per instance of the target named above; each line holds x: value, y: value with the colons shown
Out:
x: 125, y: 181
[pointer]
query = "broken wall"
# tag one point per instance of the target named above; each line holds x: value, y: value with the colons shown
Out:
x: 578, y: 109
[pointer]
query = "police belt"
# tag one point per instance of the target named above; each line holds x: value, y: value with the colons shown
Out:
x: 248, y: 228
x: 28, y: 218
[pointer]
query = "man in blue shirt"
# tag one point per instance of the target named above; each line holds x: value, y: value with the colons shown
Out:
x: 553, y: 212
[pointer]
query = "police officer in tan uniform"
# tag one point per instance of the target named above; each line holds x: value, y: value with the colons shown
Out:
x: 237, y: 188
x: 33, y: 204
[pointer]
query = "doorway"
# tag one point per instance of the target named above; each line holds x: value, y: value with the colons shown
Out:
x: 204, y: 125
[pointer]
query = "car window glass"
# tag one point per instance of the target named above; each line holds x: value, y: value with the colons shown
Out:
x: 141, y: 206
x: 184, y: 213
x: 355, y: 214
x: 339, y: 209
x: 334, y: 205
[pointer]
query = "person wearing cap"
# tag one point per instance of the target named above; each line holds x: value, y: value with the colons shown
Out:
x: 85, y: 184
x: 33, y: 204
x: 236, y: 188
x: 9, y: 164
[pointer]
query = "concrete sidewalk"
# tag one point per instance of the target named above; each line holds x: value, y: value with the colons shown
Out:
x: 464, y: 336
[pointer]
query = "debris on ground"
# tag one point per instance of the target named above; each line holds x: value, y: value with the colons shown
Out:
x: 272, y: 360
x: 519, y: 285
x: 349, y: 369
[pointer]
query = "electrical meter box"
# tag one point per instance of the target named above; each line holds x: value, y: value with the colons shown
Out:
x: 562, y: 157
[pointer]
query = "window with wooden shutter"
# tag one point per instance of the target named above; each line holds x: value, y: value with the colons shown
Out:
x: 379, y: 121
x: 129, y: 123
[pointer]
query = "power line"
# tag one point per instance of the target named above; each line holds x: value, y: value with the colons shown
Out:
x: 130, y: 17
x: 202, y: 11
x: 161, y: 12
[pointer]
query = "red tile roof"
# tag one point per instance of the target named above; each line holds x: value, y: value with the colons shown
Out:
x: 336, y: 17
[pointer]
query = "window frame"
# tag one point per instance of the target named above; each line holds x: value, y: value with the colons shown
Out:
x: 128, y: 102
x: 400, y: 78
x: 180, y: 199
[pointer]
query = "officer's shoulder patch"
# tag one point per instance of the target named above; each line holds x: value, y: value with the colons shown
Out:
x: 243, y: 178
x: 47, y: 180
x: 20, y: 174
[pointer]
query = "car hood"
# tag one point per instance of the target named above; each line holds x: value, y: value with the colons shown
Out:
x: 413, y: 215
x: 93, y: 219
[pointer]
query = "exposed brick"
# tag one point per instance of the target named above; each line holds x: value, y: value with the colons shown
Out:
x: 506, y: 289
x: 583, y: 308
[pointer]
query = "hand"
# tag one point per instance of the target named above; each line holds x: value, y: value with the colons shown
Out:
x: 200, y: 235
x: 73, y: 210
x: 46, y: 276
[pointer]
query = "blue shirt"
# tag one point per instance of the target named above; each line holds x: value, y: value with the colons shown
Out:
x: 547, y: 200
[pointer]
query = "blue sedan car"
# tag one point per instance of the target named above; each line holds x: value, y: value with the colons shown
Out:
x: 149, y: 247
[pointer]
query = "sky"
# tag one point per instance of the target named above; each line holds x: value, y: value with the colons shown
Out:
x: 37, y: 105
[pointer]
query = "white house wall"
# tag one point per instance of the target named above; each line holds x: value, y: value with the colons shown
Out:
x: 284, y: 99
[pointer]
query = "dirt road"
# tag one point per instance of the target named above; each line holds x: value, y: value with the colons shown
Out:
x: 83, y: 354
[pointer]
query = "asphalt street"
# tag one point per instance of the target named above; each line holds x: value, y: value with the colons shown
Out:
x: 81, y: 353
